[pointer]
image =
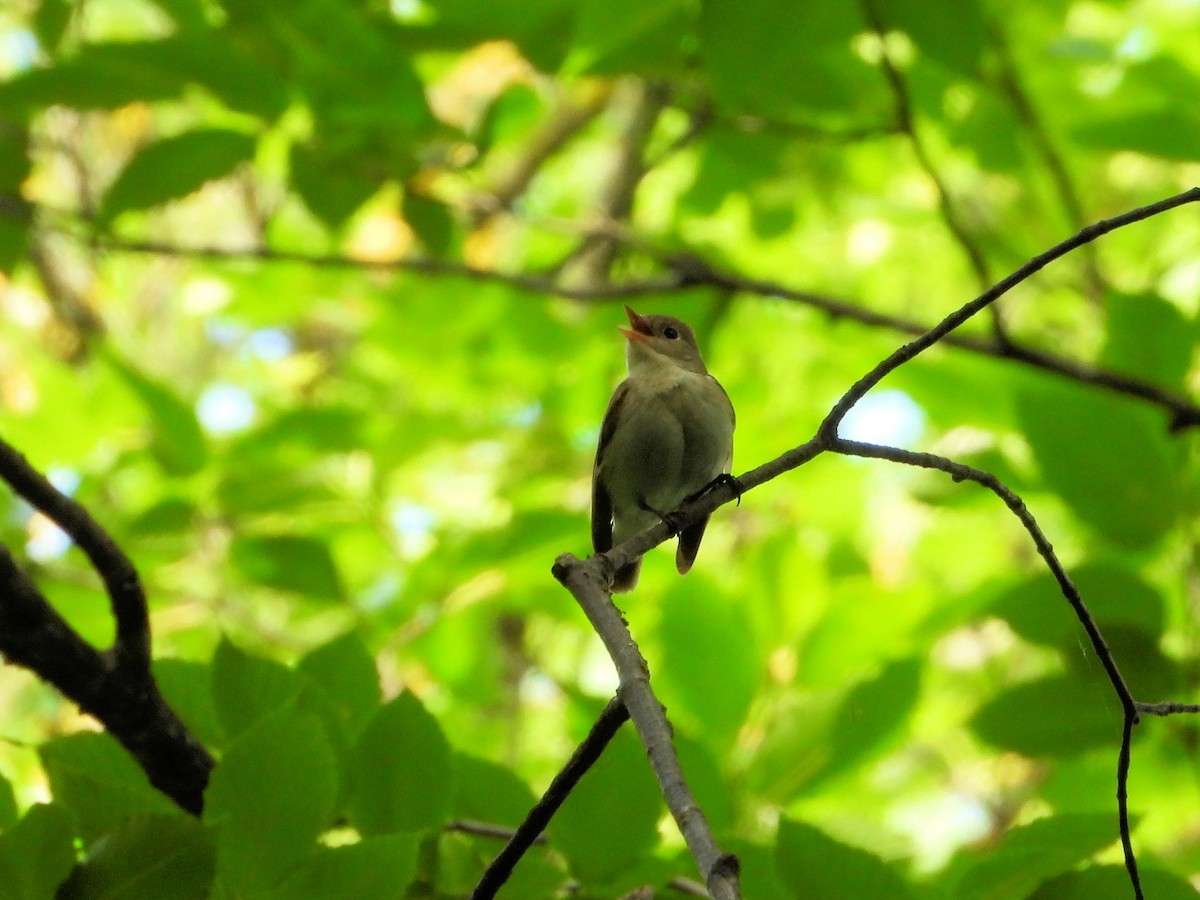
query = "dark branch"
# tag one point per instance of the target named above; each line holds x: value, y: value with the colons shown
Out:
x: 131, y: 649
x: 530, y: 831
x: 1129, y: 707
x: 126, y: 700
x: 689, y: 272
x: 932, y: 336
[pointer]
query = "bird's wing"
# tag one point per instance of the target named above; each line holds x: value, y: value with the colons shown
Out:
x: 602, y: 512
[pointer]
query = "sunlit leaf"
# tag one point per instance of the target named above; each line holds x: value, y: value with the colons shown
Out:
x: 175, y: 167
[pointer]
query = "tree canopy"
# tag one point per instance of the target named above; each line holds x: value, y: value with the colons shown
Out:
x: 309, y: 314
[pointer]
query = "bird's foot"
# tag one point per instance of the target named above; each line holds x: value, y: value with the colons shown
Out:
x: 723, y: 479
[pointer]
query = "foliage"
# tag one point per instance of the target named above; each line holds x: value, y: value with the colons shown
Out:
x: 292, y: 303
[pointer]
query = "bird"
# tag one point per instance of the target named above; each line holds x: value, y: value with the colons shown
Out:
x: 666, y: 437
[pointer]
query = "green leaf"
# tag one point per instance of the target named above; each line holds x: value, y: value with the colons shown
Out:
x: 50, y: 21
x: 1032, y: 853
x: 610, y: 821
x: 14, y: 239
x: 289, y: 562
x: 700, y: 625
x: 1112, y: 883
x: 270, y: 796
x: 169, y: 516
x: 1170, y: 133
x: 175, y: 167
x: 186, y: 685
x: 96, y: 779
x: 812, y: 864
x: 488, y: 792
x: 403, y: 770
x: 101, y: 76
x: 873, y: 711
x: 177, y: 443
x: 8, y: 804
x: 378, y: 867
x: 952, y: 35
x: 540, y: 28
x: 159, y: 857
x: 789, y: 62
x: 246, y: 689
x: 36, y: 854
x: 1116, y: 595
x: 614, y: 37
x: 1148, y: 338
x: 1057, y: 716
x: 346, y: 673
x: 330, y: 186
x: 431, y: 221
x: 1108, y: 457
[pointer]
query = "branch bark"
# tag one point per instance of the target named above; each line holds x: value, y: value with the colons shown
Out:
x: 114, y: 685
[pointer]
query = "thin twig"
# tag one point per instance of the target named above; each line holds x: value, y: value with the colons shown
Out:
x: 530, y: 831
x: 1167, y: 709
x: 932, y: 336
x: 960, y: 472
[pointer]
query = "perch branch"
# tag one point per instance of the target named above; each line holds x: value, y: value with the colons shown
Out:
x: 588, y: 582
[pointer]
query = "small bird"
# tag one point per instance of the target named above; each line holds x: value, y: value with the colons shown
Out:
x: 667, y: 435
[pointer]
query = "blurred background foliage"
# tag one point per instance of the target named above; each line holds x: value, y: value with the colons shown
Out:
x: 344, y: 476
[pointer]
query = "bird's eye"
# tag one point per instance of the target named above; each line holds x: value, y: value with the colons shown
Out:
x: 670, y: 333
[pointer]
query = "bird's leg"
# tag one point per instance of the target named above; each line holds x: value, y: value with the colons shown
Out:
x: 670, y: 519
x: 723, y: 478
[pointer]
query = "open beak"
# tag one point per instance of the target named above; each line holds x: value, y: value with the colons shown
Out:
x: 639, y: 329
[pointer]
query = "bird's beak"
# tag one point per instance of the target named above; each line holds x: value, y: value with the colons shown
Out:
x: 640, y: 329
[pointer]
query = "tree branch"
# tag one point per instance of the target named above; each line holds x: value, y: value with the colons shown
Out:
x: 530, y: 830
x: 123, y: 698
x: 688, y: 272
x: 131, y: 649
x: 588, y: 582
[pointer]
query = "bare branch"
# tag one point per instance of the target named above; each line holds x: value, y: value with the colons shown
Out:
x: 588, y: 581
x: 932, y: 336
x: 689, y: 272
x: 1129, y: 707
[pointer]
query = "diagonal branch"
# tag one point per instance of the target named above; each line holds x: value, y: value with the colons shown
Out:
x: 688, y: 272
x: 584, y: 757
x: 588, y: 582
